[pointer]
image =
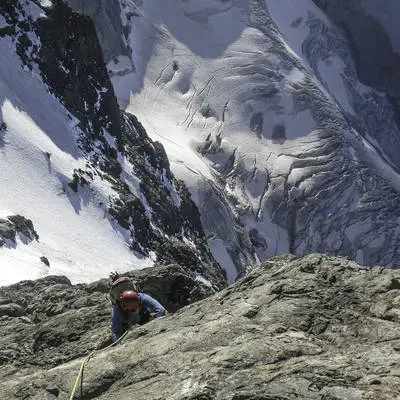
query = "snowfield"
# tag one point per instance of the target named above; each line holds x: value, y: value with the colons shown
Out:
x: 38, y: 154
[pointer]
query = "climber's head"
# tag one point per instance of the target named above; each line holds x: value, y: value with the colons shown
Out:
x: 129, y: 301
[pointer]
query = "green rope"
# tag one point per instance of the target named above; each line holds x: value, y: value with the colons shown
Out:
x: 80, y: 374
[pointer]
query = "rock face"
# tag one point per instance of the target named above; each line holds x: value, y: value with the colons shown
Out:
x: 49, y: 321
x: 16, y: 225
x: 108, y: 19
x: 317, y: 327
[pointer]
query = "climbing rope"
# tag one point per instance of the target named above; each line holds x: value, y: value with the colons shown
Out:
x: 85, y: 360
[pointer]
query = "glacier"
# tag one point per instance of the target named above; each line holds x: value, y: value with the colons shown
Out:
x: 262, y: 113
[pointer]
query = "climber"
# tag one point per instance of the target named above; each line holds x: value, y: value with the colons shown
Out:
x: 131, y: 307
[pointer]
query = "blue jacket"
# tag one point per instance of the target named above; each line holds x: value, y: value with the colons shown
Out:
x: 119, y: 317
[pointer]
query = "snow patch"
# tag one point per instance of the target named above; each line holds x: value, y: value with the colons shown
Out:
x: 219, y: 251
x: 133, y: 183
x: 46, y: 3
x: 171, y: 189
x: 3, y: 23
x: 31, y: 9
x: 332, y: 77
x: 203, y: 280
x: 111, y: 140
x: 120, y: 65
x: 291, y: 17
x: 99, y: 97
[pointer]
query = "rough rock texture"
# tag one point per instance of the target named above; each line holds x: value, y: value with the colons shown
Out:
x: 16, y: 225
x: 113, y: 35
x: 173, y: 210
x: 49, y: 321
x: 79, y: 78
x: 312, y: 328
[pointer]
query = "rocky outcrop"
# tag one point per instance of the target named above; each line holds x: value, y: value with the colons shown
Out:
x: 79, y: 77
x: 172, y: 208
x: 317, y: 327
x: 16, y: 225
x: 64, y: 46
x: 49, y: 321
x: 107, y: 17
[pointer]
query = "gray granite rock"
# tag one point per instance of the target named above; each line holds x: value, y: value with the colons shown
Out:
x: 49, y: 321
x: 7, y: 230
x: 317, y: 327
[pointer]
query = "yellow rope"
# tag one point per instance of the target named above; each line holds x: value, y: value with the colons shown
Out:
x: 86, y: 360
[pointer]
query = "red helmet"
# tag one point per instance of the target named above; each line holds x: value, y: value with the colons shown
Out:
x: 129, y: 300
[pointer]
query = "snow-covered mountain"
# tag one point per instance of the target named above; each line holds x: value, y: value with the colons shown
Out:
x: 281, y: 117
x: 266, y: 112
x: 84, y: 190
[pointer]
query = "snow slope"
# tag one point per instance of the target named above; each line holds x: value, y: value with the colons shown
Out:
x: 194, y: 91
x: 72, y: 228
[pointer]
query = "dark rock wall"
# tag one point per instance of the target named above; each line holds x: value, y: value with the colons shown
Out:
x: 70, y: 59
x: 16, y: 225
x: 170, y: 206
x: 79, y: 77
x: 107, y: 14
